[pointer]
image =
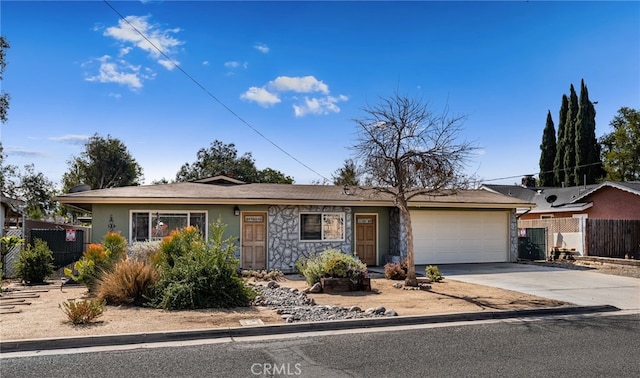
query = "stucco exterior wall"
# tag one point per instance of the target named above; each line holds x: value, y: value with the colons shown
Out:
x: 121, y: 215
x: 613, y: 203
x: 284, y: 244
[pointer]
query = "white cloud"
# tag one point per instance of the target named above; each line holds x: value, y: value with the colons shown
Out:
x: 205, y: 63
x: 71, y: 139
x: 318, y: 106
x: 306, y: 84
x: 232, y: 64
x: 267, y: 95
x: 119, y: 72
x: 158, y: 42
x: 260, y: 95
x: 261, y: 47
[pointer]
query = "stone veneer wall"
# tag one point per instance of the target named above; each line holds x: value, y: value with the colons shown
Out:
x: 285, y: 247
x: 513, y: 236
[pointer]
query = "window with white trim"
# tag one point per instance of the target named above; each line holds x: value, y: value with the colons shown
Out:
x: 155, y: 225
x: 322, y: 226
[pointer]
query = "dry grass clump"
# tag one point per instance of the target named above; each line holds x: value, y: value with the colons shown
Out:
x: 130, y: 282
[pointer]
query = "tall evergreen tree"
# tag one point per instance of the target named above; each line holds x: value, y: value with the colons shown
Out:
x: 570, y: 137
x: 548, y: 153
x: 558, y: 163
x: 588, y: 165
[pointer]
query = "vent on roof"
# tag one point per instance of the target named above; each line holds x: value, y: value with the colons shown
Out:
x: 80, y: 188
x: 552, y: 198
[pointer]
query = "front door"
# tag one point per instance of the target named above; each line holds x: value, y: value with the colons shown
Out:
x: 366, y: 239
x: 254, y: 240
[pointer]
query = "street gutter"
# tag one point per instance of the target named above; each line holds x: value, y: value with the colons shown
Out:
x: 11, y: 346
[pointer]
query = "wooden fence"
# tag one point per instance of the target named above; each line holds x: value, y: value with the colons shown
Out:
x: 613, y: 238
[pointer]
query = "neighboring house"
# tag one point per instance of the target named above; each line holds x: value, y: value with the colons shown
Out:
x: 11, y: 216
x: 608, y: 200
x: 587, y: 220
x: 276, y: 224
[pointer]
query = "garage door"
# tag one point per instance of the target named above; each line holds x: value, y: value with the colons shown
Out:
x: 448, y: 237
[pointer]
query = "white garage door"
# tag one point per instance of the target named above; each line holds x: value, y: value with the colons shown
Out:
x: 448, y: 237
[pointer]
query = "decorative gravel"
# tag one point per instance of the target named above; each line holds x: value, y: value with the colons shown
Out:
x: 295, y: 306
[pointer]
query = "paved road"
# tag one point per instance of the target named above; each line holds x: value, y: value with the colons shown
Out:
x: 579, y: 287
x: 566, y: 347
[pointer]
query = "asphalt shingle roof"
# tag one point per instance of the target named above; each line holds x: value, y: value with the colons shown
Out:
x: 189, y: 192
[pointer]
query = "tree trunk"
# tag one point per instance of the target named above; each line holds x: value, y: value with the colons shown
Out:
x: 411, y: 267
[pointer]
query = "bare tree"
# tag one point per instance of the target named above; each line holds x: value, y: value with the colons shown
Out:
x: 407, y: 150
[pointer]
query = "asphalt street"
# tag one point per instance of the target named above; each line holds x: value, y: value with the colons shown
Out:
x: 577, y: 346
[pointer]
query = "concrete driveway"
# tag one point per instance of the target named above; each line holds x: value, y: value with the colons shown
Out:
x: 583, y: 288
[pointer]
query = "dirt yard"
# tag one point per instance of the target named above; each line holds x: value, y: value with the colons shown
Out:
x: 33, y: 311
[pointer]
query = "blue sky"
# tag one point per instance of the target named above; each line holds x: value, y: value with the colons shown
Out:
x: 300, y: 72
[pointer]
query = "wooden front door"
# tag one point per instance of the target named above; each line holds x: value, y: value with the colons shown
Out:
x: 254, y: 240
x: 366, y: 239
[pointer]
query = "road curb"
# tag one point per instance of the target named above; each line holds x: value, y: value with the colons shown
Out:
x: 11, y: 346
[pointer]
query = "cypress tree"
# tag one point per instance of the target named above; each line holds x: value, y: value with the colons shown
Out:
x: 548, y: 153
x: 570, y: 137
x: 587, y: 147
x: 558, y: 163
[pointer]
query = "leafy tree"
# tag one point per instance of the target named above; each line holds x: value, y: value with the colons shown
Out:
x: 558, y: 163
x: 105, y: 163
x: 8, y: 175
x: 4, y: 97
x: 588, y: 164
x: 548, y: 154
x: 407, y: 150
x: 223, y: 159
x: 269, y: 175
x: 27, y: 185
x: 621, y: 147
x: 347, y: 175
x: 37, y: 191
x: 569, y: 139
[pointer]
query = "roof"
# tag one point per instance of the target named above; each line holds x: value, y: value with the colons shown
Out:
x: 551, y: 199
x: 277, y: 194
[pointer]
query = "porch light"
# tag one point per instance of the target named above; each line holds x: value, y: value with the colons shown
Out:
x: 236, y: 211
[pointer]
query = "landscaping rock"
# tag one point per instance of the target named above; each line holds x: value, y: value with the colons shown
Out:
x: 390, y: 312
x: 273, y: 285
x: 298, y: 307
x: 316, y: 288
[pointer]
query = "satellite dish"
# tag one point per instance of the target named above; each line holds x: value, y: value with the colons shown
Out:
x: 552, y: 198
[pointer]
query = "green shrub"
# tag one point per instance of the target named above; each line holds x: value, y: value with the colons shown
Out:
x: 35, y: 263
x: 331, y: 263
x: 198, y: 274
x: 263, y: 275
x: 434, y: 274
x: 116, y: 244
x: 129, y: 282
x: 396, y: 271
x: 84, y: 311
x: 94, y: 261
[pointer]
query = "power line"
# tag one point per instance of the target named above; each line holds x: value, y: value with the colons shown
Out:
x: 538, y: 173
x: 197, y: 83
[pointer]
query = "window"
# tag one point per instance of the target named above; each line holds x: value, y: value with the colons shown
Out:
x: 550, y: 216
x: 155, y: 225
x: 322, y: 226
